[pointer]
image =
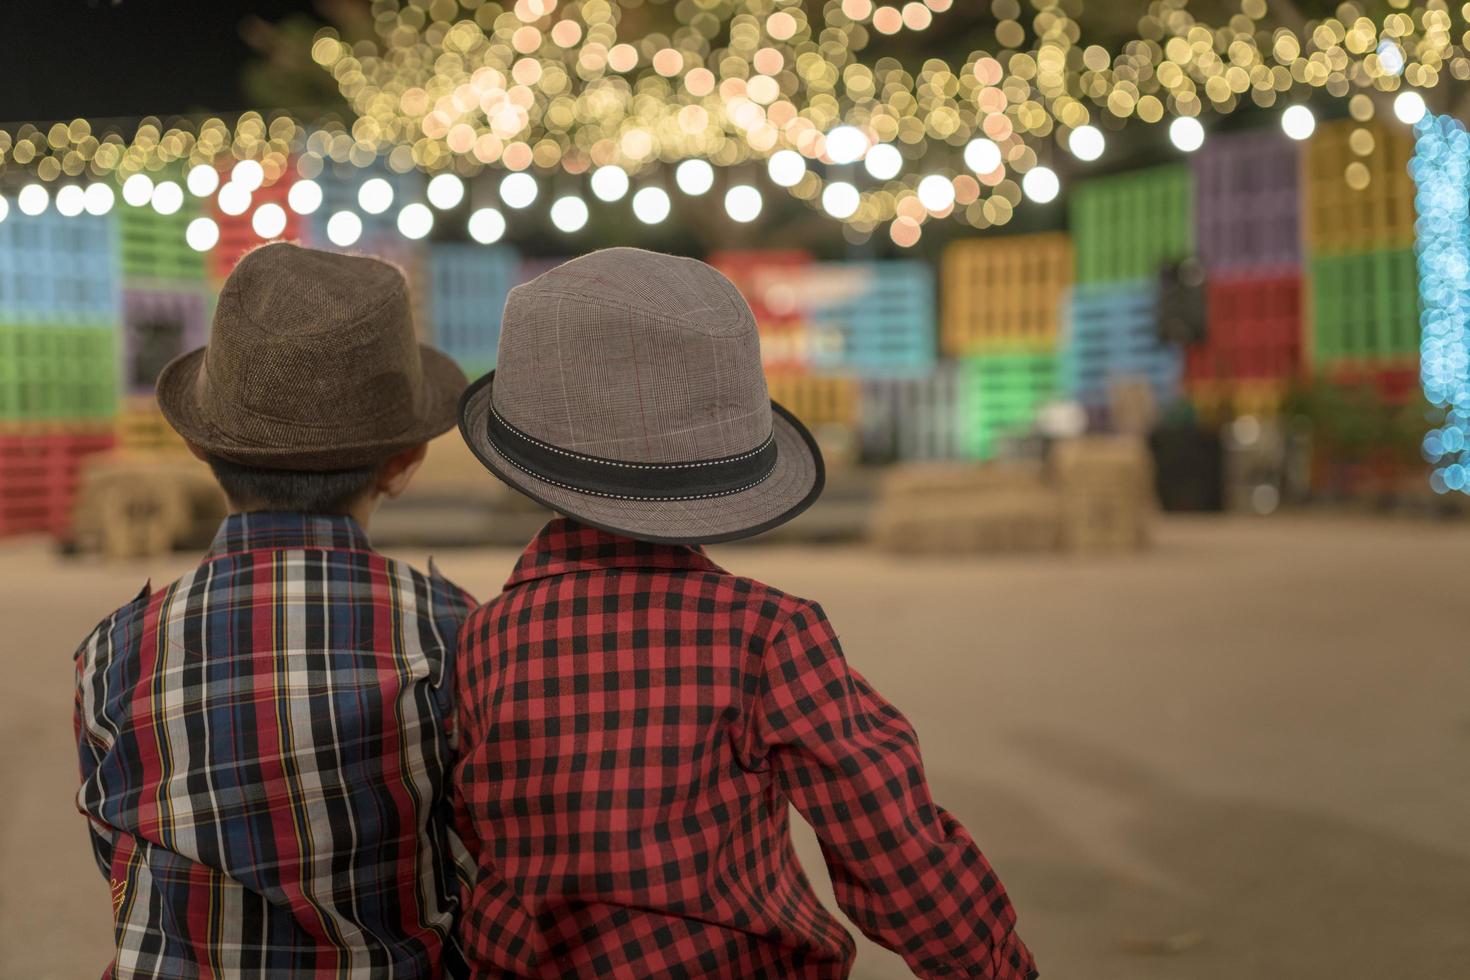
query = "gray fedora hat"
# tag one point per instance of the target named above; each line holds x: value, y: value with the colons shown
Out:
x: 628, y: 394
x: 312, y: 365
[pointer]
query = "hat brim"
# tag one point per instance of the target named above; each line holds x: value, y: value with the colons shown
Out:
x: 178, y: 395
x: 791, y: 488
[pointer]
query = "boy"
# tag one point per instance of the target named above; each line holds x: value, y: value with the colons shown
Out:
x: 634, y: 719
x: 265, y: 743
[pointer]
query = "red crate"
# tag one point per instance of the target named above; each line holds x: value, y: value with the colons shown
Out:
x: 38, y: 477
x: 1253, y: 330
x: 237, y: 236
x: 767, y: 280
x: 1396, y: 384
x: 771, y: 282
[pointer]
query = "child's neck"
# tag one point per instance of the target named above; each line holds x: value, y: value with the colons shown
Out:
x: 361, y: 511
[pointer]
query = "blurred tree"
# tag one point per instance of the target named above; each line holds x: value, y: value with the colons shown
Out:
x: 284, y: 75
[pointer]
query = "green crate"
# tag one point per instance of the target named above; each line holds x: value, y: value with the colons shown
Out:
x: 1127, y: 226
x: 152, y: 245
x: 55, y: 372
x: 476, y: 367
x: 1365, y: 307
x: 1000, y: 395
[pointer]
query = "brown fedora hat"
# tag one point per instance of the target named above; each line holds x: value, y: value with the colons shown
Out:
x: 629, y: 394
x: 312, y: 365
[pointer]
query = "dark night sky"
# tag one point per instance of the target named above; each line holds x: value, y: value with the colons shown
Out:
x: 100, y: 58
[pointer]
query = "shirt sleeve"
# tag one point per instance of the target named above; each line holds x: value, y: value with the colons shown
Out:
x: 90, y: 752
x: 902, y: 868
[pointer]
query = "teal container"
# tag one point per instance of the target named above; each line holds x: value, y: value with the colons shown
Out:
x: 1127, y: 226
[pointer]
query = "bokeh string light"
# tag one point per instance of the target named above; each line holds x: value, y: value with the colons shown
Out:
x: 453, y: 88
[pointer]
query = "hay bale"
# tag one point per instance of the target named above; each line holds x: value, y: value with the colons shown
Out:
x: 965, y: 509
x: 1105, y: 485
x: 1006, y: 521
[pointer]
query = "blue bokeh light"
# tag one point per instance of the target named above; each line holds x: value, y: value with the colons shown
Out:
x: 1441, y: 171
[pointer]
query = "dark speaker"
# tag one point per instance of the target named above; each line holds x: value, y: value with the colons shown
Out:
x: 156, y: 341
x: 1181, y: 306
x: 1189, y: 469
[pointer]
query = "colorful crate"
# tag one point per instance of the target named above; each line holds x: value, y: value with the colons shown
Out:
x: 160, y: 322
x: 872, y: 319
x: 141, y: 426
x: 913, y: 419
x: 1254, y: 329
x: 772, y: 282
x: 1004, y: 293
x: 39, y: 473
x: 1342, y: 220
x: 57, y: 372
x: 1364, y: 310
x: 1001, y: 396
x: 153, y: 246
x: 1113, y: 336
x: 237, y: 233
x: 765, y: 279
x: 57, y: 269
x: 531, y: 268
x: 818, y: 400
x: 468, y: 287
x: 1247, y: 192
x: 1126, y: 226
x: 1221, y: 400
x: 1394, y: 384
x: 801, y: 345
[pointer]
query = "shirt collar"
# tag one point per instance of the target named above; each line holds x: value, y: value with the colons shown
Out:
x: 275, y: 530
x: 565, y: 546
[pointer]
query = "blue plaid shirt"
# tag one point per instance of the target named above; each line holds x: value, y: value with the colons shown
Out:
x: 265, y: 746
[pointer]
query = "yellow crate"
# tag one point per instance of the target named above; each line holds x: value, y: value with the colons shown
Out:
x: 1342, y: 219
x: 140, y: 425
x: 1221, y: 401
x: 1004, y: 293
x: 817, y: 399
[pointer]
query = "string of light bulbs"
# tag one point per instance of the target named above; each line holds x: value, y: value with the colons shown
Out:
x: 453, y: 88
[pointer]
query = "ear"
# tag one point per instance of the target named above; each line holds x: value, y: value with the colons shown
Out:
x: 199, y: 454
x: 399, y: 469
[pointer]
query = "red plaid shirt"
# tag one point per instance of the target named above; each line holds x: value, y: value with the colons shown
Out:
x: 634, y: 720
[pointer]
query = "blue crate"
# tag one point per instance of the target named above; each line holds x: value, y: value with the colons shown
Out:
x: 1113, y: 336
x: 340, y: 184
x: 467, y: 289
x: 59, y: 270
x: 883, y: 313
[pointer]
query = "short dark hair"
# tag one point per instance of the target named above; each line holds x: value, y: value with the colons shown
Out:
x: 301, y: 491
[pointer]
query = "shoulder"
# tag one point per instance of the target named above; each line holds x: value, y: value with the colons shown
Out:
x: 439, y: 597
x: 449, y: 595
x: 122, y: 626
x: 777, y: 612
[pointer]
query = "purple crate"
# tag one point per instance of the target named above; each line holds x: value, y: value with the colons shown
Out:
x: 1247, y: 202
x: 531, y: 268
x: 158, y: 325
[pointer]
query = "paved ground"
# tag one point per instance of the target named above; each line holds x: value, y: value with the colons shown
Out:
x: 1243, y: 755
